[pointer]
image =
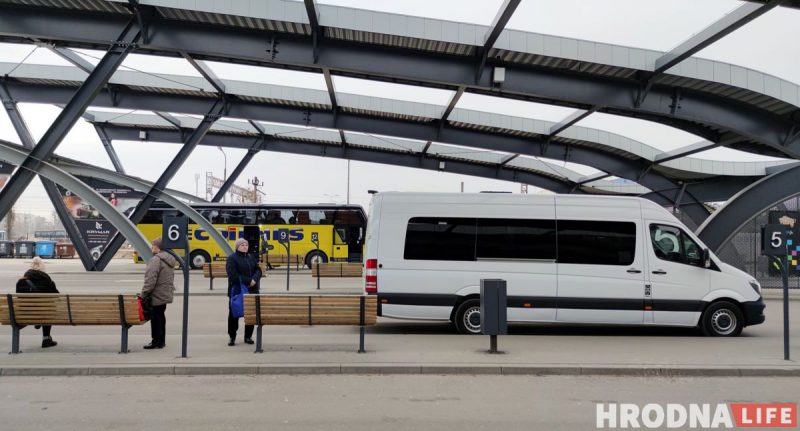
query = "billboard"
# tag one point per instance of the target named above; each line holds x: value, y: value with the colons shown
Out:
x: 6, y: 169
x: 95, y: 230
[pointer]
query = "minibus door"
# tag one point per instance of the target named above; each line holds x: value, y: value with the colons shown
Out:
x: 677, y: 279
x: 593, y: 286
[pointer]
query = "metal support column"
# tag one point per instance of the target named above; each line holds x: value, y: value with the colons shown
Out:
x: 112, y: 154
x: 158, y: 187
x: 69, y: 115
x: 50, y: 187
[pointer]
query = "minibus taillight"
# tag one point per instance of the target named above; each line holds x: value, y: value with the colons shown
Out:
x: 371, y: 276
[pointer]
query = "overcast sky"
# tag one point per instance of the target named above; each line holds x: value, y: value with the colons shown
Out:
x: 768, y: 44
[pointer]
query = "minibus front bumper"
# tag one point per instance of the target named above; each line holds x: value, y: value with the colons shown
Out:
x: 754, y: 312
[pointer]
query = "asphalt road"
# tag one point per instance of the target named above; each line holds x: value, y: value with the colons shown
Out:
x: 352, y: 403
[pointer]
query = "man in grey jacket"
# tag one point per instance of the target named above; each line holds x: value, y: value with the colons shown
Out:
x: 158, y: 289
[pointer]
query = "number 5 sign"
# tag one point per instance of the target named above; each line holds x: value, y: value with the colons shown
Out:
x: 174, y: 234
x: 774, y: 239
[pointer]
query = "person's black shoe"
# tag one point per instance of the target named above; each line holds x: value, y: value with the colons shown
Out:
x: 153, y: 345
x: 232, y: 342
x: 249, y: 341
x: 48, y: 342
x: 37, y: 326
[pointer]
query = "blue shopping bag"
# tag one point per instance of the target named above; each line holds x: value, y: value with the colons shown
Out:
x: 237, y: 300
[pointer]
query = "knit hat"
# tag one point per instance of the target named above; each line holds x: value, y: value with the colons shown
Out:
x: 239, y: 242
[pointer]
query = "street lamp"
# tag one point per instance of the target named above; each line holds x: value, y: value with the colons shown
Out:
x: 224, y: 170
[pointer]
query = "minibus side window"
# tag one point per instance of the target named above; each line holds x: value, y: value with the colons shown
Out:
x: 596, y: 242
x: 516, y: 239
x: 694, y: 254
x: 446, y: 238
x: 673, y: 244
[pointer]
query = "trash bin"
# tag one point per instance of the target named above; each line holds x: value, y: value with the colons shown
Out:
x: 6, y: 249
x: 23, y: 249
x: 46, y: 249
x: 65, y: 249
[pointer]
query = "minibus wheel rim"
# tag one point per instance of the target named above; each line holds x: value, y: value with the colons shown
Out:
x: 723, y: 321
x: 472, y: 320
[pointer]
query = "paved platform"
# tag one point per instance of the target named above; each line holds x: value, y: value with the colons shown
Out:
x: 393, y: 346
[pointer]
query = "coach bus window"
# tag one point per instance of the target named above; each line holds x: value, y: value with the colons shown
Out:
x: 209, y: 214
x: 341, y: 236
x: 274, y: 217
x: 440, y: 239
x: 154, y: 216
x: 301, y: 217
x: 316, y: 216
x: 250, y: 217
x: 596, y: 242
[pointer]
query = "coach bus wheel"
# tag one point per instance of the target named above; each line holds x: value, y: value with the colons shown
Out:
x: 198, y: 258
x: 468, y: 317
x: 315, y: 257
x: 722, y: 319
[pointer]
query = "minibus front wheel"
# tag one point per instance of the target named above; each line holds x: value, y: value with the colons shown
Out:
x: 468, y: 317
x: 722, y: 319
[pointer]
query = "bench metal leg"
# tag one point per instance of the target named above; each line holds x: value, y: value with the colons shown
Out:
x: 361, y: 340
x: 210, y: 283
x: 14, y: 340
x: 258, y: 339
x: 123, y: 348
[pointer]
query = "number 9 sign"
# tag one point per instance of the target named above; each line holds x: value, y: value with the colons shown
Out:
x: 283, y: 236
x: 174, y: 232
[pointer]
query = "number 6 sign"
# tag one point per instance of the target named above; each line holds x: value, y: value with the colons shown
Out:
x: 174, y: 232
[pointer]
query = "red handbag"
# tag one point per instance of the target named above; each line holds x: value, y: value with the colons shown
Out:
x: 144, y: 309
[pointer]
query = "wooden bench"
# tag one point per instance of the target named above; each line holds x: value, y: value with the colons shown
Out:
x: 21, y: 309
x: 337, y: 270
x: 274, y: 260
x: 217, y: 270
x: 270, y: 309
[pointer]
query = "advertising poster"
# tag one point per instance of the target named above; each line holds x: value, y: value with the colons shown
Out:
x: 95, y: 230
x: 6, y: 170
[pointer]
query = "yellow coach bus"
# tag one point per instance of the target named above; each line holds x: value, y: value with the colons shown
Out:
x: 341, y: 229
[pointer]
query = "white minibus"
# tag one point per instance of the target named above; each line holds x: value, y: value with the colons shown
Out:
x: 565, y: 258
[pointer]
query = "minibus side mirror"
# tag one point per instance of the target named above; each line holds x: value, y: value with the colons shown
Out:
x: 706, y: 258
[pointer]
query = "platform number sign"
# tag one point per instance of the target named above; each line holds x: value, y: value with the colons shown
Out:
x: 283, y: 236
x: 315, y: 237
x: 777, y: 240
x: 174, y: 234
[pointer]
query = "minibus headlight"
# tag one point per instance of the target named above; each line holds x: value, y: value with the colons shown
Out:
x: 757, y: 287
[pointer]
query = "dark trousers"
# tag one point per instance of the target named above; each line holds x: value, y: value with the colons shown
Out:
x: 233, y: 326
x: 46, y: 331
x: 158, y: 324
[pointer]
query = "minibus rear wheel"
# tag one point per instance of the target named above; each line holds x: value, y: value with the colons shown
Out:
x: 722, y: 319
x: 468, y: 317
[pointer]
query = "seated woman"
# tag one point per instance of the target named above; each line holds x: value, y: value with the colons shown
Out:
x: 35, y: 280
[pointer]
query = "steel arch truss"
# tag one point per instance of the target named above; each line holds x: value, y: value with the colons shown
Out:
x: 639, y: 171
x: 760, y: 196
x: 710, y: 116
x: 13, y: 154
